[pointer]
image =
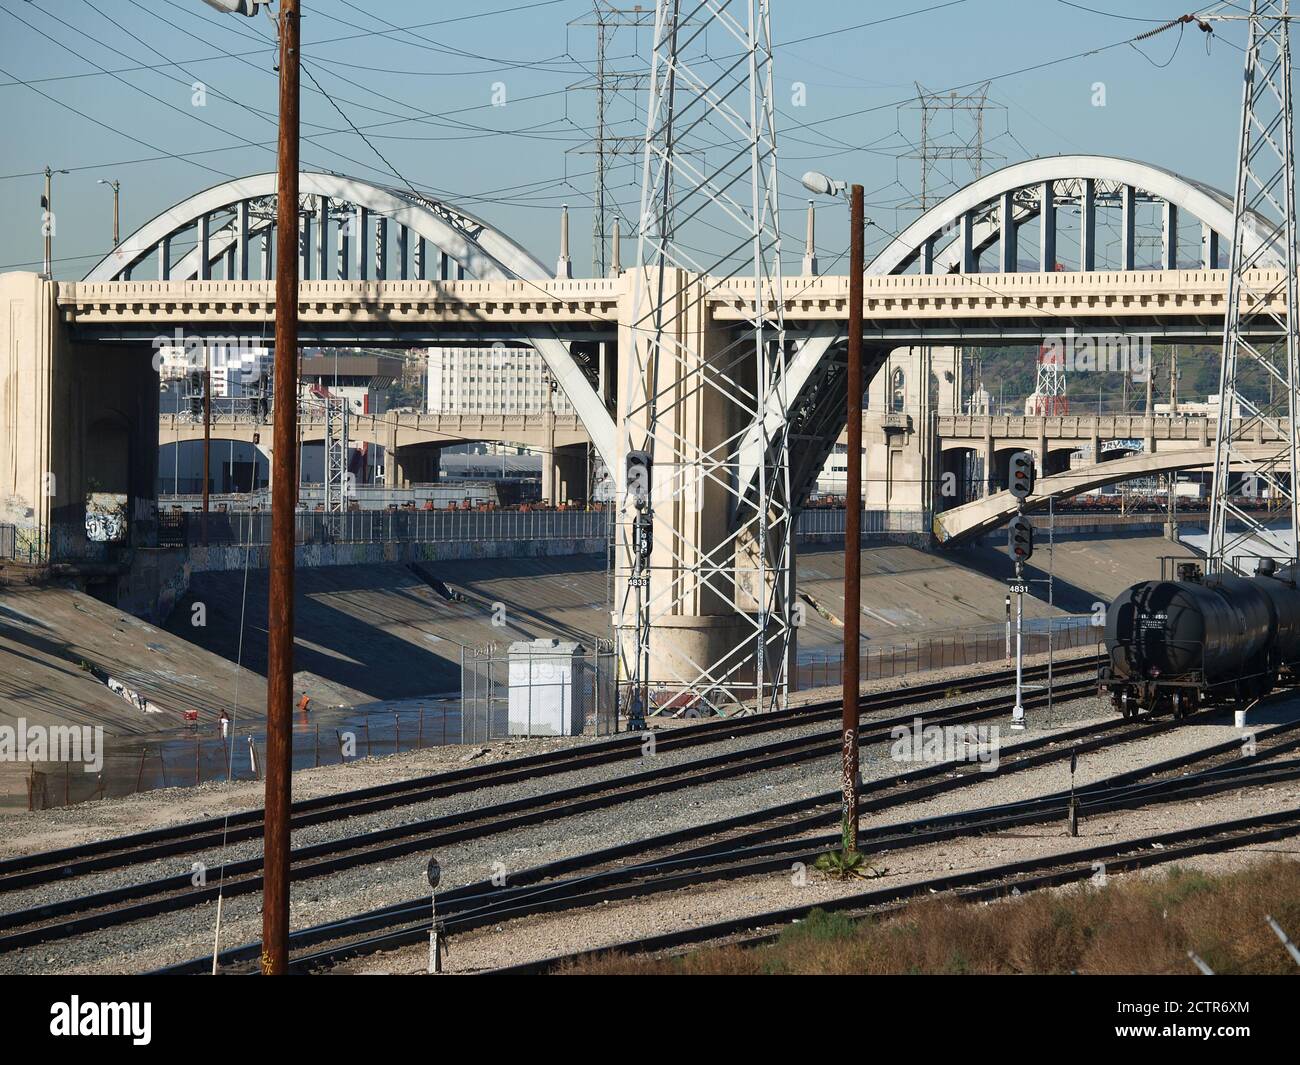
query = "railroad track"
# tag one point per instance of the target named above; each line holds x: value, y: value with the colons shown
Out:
x: 778, y: 824
x: 717, y: 863
x: 118, y: 906
x: 980, y: 885
x: 119, y: 852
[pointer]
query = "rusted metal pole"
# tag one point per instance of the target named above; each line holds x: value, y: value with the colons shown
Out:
x: 853, y: 522
x: 279, y: 673
x: 207, y: 438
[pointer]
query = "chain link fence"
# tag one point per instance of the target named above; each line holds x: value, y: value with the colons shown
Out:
x: 943, y: 650
x: 185, y: 528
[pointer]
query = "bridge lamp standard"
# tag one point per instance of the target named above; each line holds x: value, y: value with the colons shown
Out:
x: 279, y: 657
x: 116, y: 186
x: 47, y: 219
x: 821, y: 185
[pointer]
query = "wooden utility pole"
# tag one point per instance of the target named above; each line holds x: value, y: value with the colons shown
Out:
x: 207, y: 438
x: 853, y: 521
x: 279, y: 673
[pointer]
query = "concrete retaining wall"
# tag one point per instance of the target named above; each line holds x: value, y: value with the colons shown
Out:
x: 154, y: 583
x: 223, y: 558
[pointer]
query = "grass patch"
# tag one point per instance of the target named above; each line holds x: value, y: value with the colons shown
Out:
x: 1131, y: 926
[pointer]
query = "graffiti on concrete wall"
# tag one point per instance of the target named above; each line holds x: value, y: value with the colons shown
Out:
x: 106, y: 517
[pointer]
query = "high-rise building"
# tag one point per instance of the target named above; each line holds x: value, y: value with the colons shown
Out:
x: 491, y: 380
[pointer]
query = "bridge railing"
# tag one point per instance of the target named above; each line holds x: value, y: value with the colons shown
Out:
x: 253, y: 527
x: 817, y: 522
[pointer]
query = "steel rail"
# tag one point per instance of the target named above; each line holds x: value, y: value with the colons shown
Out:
x: 979, y: 885
x: 1023, y: 756
x: 693, y: 869
x: 122, y: 905
x: 42, y: 867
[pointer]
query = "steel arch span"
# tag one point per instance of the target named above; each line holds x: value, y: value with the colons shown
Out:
x: 989, y: 215
x: 350, y: 229
x: 953, y: 235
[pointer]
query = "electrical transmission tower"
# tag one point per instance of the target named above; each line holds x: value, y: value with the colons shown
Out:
x: 1256, y: 434
x: 336, y: 453
x: 952, y: 130
x: 612, y: 135
x: 1049, y: 398
x: 706, y: 527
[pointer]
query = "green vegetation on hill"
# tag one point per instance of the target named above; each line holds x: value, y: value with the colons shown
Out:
x: 1009, y: 374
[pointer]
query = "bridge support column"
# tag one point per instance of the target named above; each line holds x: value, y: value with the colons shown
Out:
x: 74, y: 420
x: 570, y: 474
x: 419, y: 464
x: 548, y: 459
x: 394, y: 471
x: 700, y: 615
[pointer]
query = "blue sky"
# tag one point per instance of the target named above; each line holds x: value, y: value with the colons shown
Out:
x: 424, y: 99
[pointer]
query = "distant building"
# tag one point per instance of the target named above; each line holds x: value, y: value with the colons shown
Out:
x: 234, y: 371
x: 491, y: 380
x: 363, y: 379
x: 1195, y: 408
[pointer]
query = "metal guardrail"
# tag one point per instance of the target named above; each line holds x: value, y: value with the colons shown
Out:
x: 249, y: 527
x: 235, y: 526
x: 185, y: 528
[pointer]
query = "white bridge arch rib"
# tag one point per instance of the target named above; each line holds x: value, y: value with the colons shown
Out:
x: 1211, y: 206
x: 806, y: 376
x: 482, y: 252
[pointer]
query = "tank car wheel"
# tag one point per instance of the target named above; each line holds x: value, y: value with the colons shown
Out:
x: 1179, y: 705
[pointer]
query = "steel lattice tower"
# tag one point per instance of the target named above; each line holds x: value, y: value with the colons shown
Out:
x: 708, y: 412
x: 336, y: 454
x: 607, y: 142
x: 938, y: 144
x: 1049, y: 396
x: 1259, y: 379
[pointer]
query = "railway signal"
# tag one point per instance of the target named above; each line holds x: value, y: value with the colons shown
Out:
x: 1022, y: 474
x: 1020, y: 538
x: 1020, y: 545
x: 433, y: 873
x: 639, y: 466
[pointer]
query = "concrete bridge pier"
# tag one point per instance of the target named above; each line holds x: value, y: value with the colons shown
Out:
x: 566, y: 471
x: 414, y: 464
x: 701, y: 632
x: 75, y: 419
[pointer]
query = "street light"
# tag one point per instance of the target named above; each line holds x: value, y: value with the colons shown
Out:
x: 47, y: 219
x: 818, y: 183
x: 238, y: 7
x: 116, y: 186
x: 822, y: 185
